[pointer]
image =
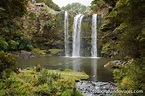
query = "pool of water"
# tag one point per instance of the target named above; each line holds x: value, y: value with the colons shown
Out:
x: 94, y: 67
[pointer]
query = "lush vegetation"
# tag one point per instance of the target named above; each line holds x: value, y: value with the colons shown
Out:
x: 50, y: 3
x: 11, y: 33
x: 24, y: 26
x: 76, y: 7
x: 36, y: 81
x: 7, y: 64
x: 131, y: 77
x: 122, y: 37
x: 40, y: 82
x: 46, y: 35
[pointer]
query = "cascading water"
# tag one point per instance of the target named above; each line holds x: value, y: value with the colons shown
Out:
x: 66, y: 34
x: 94, y: 36
x: 77, y: 35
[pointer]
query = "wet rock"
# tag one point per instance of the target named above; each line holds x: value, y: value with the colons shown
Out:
x: 26, y: 54
x: 90, y: 88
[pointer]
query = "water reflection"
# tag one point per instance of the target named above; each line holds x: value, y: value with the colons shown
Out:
x: 94, y: 69
x: 76, y: 64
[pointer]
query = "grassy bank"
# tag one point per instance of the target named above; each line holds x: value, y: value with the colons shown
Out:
x: 41, y: 82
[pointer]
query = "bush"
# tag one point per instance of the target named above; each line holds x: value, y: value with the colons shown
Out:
x: 7, y: 63
x: 46, y: 82
x: 71, y: 93
x: 3, y: 44
x: 131, y: 77
x: 25, y: 44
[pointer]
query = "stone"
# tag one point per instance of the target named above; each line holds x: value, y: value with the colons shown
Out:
x: 90, y: 88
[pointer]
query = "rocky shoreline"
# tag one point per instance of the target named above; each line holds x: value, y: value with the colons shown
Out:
x: 90, y: 88
x: 118, y: 63
x: 32, y: 54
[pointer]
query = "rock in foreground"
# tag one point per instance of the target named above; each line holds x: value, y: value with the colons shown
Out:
x: 89, y: 88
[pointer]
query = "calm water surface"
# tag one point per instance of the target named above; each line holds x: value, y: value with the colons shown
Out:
x: 94, y: 67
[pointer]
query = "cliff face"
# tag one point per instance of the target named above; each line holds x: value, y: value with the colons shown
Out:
x: 41, y: 25
x: 121, y: 28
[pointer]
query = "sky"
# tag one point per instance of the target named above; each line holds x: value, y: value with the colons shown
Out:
x: 61, y: 3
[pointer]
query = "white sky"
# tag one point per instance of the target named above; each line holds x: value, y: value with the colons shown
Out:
x: 61, y: 3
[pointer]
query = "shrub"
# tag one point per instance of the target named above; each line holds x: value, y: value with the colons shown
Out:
x: 131, y: 77
x: 7, y: 63
x: 71, y: 93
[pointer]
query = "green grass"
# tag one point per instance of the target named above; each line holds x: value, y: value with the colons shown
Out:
x: 71, y: 74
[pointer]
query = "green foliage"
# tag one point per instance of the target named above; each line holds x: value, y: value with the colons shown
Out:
x: 122, y: 35
x: 11, y: 32
x: 96, y: 4
x: 3, y: 44
x: 7, y: 64
x: 54, y: 51
x: 38, y: 51
x: 111, y: 3
x: 12, y: 37
x: 75, y: 7
x: 47, y: 33
x: 32, y: 83
x: 131, y: 77
x: 12, y: 8
x: 52, y: 77
x: 126, y: 34
x: 25, y: 44
x: 68, y: 70
x: 71, y: 93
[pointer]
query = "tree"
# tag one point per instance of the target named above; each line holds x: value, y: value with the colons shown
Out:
x: 12, y: 8
x: 96, y: 4
x: 11, y: 33
x: 75, y: 7
x: 123, y: 35
x: 124, y: 28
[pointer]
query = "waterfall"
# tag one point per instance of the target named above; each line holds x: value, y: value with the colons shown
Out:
x: 94, y: 36
x: 76, y: 35
x: 66, y: 35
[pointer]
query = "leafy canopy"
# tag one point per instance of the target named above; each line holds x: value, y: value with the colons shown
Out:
x: 75, y: 7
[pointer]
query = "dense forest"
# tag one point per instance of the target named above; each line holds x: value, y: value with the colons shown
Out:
x: 22, y: 27
x: 25, y: 26
x: 122, y: 37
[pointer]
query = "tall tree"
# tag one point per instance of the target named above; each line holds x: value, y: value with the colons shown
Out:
x: 75, y: 7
